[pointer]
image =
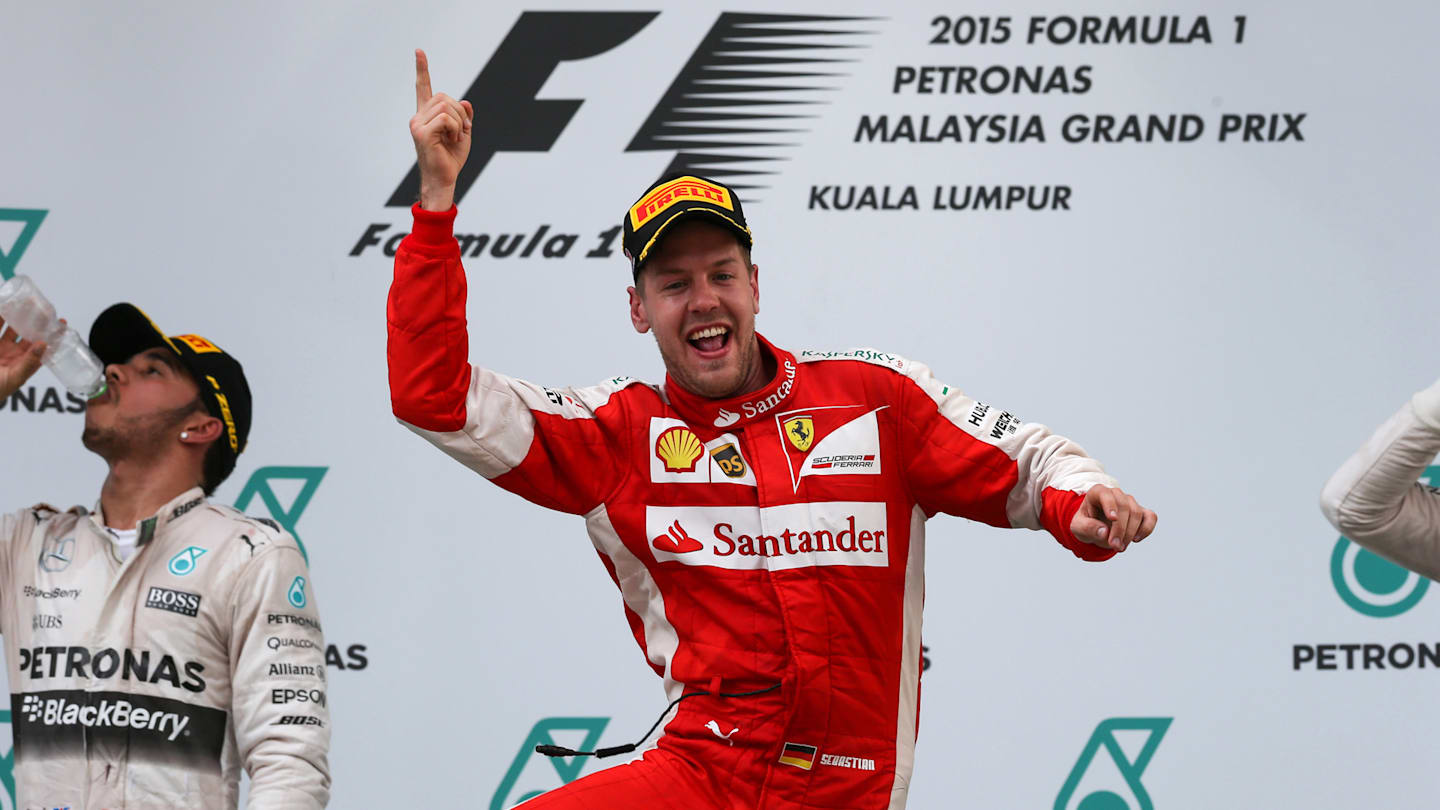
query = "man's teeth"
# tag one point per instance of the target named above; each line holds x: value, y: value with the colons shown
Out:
x: 714, y: 331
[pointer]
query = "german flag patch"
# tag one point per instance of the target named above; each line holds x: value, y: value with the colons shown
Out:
x: 801, y: 756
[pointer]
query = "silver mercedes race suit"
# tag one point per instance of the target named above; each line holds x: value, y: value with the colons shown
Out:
x: 147, y: 683
x: 1374, y: 499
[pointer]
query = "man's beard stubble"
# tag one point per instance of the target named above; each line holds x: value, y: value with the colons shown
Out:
x: 747, y: 353
x: 137, y: 436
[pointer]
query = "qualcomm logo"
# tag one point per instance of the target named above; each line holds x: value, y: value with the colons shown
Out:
x: 567, y: 768
x: 1372, y: 584
x: 1096, y: 797
x: 260, y: 485
x: 11, y: 250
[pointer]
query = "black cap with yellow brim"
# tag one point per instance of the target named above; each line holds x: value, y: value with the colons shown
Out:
x: 675, y: 197
x: 123, y: 331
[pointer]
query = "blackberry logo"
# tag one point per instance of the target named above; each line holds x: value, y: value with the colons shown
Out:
x: 105, y: 713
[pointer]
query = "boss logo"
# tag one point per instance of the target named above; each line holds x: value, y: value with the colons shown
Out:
x: 186, y: 604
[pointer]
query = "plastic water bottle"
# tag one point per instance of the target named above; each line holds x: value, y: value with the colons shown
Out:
x: 26, y: 310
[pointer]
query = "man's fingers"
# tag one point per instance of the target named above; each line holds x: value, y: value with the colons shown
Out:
x: 33, y: 358
x: 1090, y: 530
x: 1134, y: 515
x: 443, y: 121
x: 1105, y: 499
x: 1147, y: 525
x: 422, y: 80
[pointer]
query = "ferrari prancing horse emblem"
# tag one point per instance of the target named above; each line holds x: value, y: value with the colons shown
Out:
x: 801, y: 432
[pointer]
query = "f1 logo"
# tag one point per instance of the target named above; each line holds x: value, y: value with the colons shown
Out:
x: 505, y: 91
x: 749, y: 75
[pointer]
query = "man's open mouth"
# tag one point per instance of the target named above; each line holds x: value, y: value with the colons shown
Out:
x: 710, y: 340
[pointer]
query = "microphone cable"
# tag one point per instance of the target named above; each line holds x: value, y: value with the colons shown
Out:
x: 601, y: 753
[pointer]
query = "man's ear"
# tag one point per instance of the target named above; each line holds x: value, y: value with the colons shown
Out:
x: 755, y: 285
x: 638, y: 317
x: 201, y: 428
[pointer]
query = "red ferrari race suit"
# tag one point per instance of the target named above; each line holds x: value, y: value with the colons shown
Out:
x: 776, y: 537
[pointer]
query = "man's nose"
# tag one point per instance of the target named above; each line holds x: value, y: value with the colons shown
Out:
x: 703, y: 297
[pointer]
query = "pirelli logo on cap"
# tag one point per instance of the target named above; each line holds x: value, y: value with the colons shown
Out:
x: 198, y: 344
x: 678, y: 190
x: 229, y: 418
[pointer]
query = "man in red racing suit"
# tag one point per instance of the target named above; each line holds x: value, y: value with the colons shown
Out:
x: 774, y: 535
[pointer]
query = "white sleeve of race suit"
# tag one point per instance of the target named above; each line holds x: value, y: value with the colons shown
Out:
x: 279, y: 706
x: 1043, y: 460
x: 500, y: 425
x: 1374, y: 498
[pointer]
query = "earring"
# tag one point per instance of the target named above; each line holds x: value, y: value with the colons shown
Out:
x: 184, y: 434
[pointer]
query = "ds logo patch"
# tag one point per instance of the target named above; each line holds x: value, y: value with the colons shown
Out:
x: 1097, y: 797
x: 1371, y: 584
x: 566, y: 768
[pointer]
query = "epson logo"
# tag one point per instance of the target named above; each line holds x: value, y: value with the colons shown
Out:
x: 282, y: 696
x: 186, y: 604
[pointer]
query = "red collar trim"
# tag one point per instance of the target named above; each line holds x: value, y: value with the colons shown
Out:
x: 723, y: 414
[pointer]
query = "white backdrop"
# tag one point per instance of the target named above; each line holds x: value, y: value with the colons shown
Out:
x: 1220, y: 323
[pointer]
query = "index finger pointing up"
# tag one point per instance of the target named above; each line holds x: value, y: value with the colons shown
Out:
x: 422, y: 80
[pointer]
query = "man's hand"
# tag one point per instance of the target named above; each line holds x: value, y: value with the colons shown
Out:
x: 441, y: 129
x: 18, y: 361
x: 1112, y: 519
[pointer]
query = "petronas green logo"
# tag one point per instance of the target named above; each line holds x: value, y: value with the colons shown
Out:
x: 259, y: 486
x: 1093, y: 776
x: 7, y: 771
x: 13, y: 247
x: 566, y: 768
x: 1371, y: 584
